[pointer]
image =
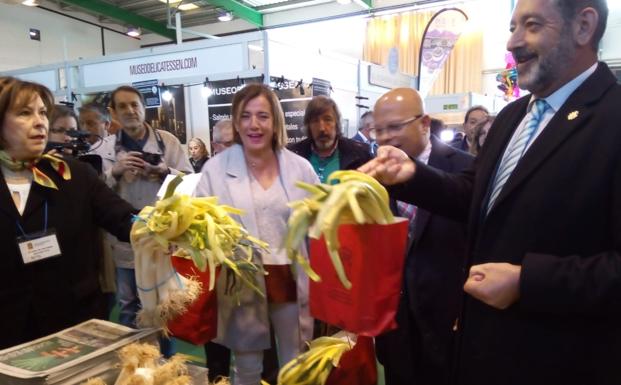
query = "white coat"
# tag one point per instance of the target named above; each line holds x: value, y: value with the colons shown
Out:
x: 245, y: 327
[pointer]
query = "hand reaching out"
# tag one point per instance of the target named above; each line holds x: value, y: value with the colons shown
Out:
x: 390, y: 166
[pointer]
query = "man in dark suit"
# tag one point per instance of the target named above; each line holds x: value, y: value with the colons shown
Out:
x: 544, y: 217
x: 326, y: 148
x: 365, y: 129
x: 418, y: 352
x: 474, y: 116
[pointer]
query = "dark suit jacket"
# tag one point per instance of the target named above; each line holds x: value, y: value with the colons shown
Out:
x: 46, y: 296
x: 352, y: 154
x: 419, y: 351
x: 460, y: 143
x: 559, y: 217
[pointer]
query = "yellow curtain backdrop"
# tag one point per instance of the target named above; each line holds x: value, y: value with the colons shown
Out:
x: 462, y: 72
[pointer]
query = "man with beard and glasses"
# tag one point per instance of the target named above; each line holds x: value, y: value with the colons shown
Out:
x: 326, y: 147
x: 544, y: 218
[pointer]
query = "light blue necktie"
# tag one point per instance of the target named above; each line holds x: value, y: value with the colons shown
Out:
x: 518, y: 148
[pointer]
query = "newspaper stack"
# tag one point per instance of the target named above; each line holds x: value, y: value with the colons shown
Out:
x: 71, y: 356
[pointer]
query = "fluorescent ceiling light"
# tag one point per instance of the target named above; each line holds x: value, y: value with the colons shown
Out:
x: 188, y: 7
x: 224, y: 15
x: 261, y: 3
x: 133, y: 31
x: 286, y: 6
x: 30, y: 3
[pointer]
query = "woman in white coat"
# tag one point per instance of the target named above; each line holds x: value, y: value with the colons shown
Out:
x: 258, y: 175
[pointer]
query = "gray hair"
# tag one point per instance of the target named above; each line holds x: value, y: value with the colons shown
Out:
x: 570, y: 8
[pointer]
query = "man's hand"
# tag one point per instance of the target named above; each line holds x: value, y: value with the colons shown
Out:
x: 496, y: 284
x: 159, y: 171
x: 130, y: 161
x: 390, y: 166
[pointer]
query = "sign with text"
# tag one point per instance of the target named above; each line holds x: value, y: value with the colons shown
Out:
x: 293, y: 101
x: 166, y: 66
x: 150, y: 92
x: 382, y: 77
x: 321, y: 87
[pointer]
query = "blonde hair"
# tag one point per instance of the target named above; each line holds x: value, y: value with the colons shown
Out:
x: 200, y: 144
x: 246, y: 94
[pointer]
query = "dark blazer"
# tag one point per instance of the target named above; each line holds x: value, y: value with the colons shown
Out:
x: 460, y: 143
x: 419, y: 351
x: 197, y: 165
x: 559, y: 217
x: 49, y: 295
x: 352, y: 154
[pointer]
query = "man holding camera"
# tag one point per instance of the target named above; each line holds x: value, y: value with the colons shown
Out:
x: 135, y: 161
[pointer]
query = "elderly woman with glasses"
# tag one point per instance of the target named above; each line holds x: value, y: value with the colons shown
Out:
x: 50, y: 213
x: 257, y: 174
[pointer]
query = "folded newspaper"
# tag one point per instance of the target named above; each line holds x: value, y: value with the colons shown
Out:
x: 70, y: 356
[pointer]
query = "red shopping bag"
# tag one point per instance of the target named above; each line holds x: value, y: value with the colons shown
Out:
x: 373, y: 257
x: 357, y: 366
x: 199, y: 324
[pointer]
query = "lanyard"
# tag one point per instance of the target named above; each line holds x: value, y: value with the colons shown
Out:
x: 37, y: 234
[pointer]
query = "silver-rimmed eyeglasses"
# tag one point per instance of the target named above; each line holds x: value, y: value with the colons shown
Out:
x: 393, y: 128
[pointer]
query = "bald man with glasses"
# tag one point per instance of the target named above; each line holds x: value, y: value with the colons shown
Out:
x: 417, y: 353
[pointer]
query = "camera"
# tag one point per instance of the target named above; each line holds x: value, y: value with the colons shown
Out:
x: 151, y: 158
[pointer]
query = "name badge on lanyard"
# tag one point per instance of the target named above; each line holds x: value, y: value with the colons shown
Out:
x: 35, y: 249
x: 38, y: 246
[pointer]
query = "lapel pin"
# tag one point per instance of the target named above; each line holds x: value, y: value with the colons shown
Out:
x: 572, y: 115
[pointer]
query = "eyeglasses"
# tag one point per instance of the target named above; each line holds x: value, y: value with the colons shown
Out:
x: 395, y: 127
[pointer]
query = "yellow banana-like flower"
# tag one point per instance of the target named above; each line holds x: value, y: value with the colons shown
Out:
x: 348, y: 197
x: 314, y: 366
x: 196, y: 228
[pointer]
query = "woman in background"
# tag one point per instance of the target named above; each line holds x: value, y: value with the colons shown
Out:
x: 258, y: 175
x: 62, y: 121
x: 50, y: 212
x: 198, y: 153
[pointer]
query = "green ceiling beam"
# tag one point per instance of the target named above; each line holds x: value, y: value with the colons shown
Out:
x: 369, y: 3
x: 120, y: 14
x: 240, y: 10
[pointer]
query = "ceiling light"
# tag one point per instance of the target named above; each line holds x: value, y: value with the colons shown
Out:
x: 170, y: 1
x: 167, y: 96
x: 31, y: 3
x: 447, y: 135
x: 34, y: 34
x: 133, y: 31
x: 261, y: 3
x: 187, y: 7
x: 224, y: 15
x: 206, y: 91
x: 343, y: 2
